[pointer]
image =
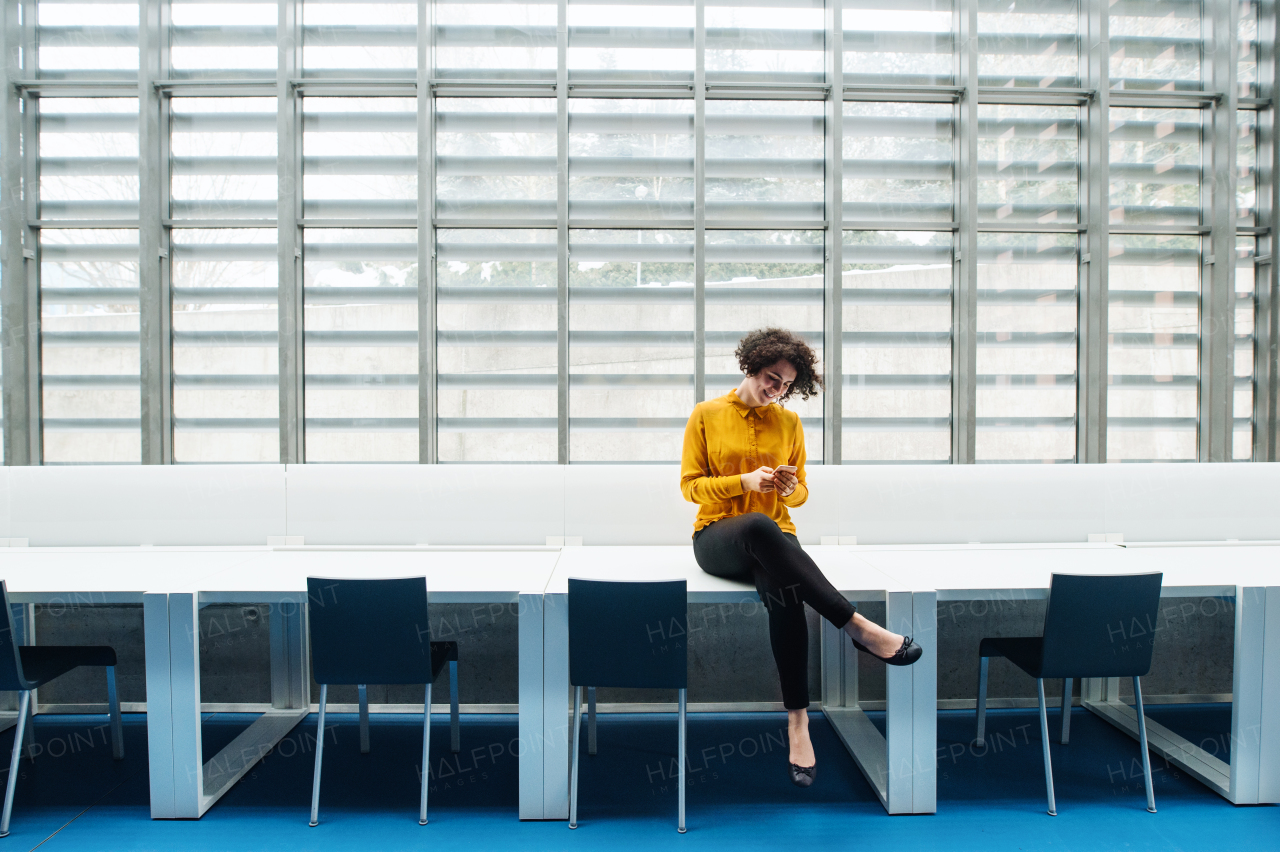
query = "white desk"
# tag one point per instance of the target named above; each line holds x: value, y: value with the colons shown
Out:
x: 74, y: 577
x: 278, y: 578
x: 856, y: 579
x: 1248, y: 573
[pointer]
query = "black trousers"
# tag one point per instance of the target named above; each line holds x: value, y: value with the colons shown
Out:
x: 752, y: 548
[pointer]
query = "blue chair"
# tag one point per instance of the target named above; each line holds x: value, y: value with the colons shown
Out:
x: 1088, y: 632
x: 27, y: 667
x: 627, y: 635
x: 376, y: 631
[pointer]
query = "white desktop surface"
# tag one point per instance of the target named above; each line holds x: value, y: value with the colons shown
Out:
x: 643, y: 564
x: 461, y: 576
x: 976, y: 571
x: 83, y: 576
x: 853, y: 576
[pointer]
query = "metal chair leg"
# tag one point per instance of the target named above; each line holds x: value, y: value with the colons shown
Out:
x: 455, y: 733
x: 29, y: 737
x: 980, y: 740
x: 1142, y: 743
x: 113, y: 707
x: 573, y: 767
x: 363, y: 691
x: 1066, y: 710
x: 315, y: 775
x: 683, y: 709
x: 1044, y: 740
x: 426, y: 755
x: 24, y: 702
x: 591, y: 720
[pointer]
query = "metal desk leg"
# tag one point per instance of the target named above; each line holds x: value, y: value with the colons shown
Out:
x: 530, y: 731
x: 1254, y: 778
x: 902, y: 766
x: 197, y: 784
x: 155, y: 621
x: 556, y: 709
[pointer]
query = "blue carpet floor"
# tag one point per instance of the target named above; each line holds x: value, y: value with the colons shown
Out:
x: 74, y: 797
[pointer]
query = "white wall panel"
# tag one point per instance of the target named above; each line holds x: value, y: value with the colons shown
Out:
x: 426, y: 504
x: 1185, y: 502
x: 627, y: 504
x: 914, y: 504
x: 161, y: 505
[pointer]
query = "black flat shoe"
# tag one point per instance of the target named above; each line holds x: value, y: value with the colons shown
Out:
x: 802, y: 776
x: 904, y: 656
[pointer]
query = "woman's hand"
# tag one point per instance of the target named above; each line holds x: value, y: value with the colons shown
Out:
x: 760, y: 479
x: 785, y: 482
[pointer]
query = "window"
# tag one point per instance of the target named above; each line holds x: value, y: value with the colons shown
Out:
x: 90, y: 369
x: 202, y: 44
x: 360, y: 158
x: 898, y: 163
x: 79, y: 37
x: 382, y: 44
x: 496, y: 345
x: 631, y: 323
x: 624, y: 40
x: 1027, y: 164
x: 1031, y: 43
x: 889, y: 42
x: 764, y: 161
x: 495, y: 40
x: 1155, y: 167
x: 603, y: 232
x: 773, y: 40
x: 224, y: 158
x: 88, y: 158
x: 630, y: 159
x: 896, y: 291
x: 1027, y: 304
x: 226, y: 379
x: 496, y: 158
x: 1153, y: 324
x: 1155, y: 44
x: 361, y: 345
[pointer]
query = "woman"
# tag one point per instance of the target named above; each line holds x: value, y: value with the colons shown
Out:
x: 743, y: 464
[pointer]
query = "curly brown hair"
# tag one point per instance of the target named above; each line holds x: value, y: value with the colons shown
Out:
x: 766, y: 346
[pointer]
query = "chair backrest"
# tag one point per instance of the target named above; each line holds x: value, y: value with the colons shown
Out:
x: 628, y: 634
x: 369, y: 631
x: 1100, y: 626
x: 11, y: 677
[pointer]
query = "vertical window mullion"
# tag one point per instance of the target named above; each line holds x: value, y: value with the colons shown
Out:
x: 1091, y: 348
x: 562, y: 232
x: 700, y: 202
x: 964, y: 295
x: 833, y: 277
x: 428, y: 440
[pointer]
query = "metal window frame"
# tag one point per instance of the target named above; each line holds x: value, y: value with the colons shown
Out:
x: 1219, y: 100
x: 1266, y: 400
x: 1218, y: 276
x: 154, y: 318
x: 289, y: 233
x: 964, y: 288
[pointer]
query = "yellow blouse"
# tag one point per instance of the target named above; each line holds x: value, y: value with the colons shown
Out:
x: 726, y: 438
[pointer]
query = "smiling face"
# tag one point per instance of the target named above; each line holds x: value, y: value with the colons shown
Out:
x: 767, y: 385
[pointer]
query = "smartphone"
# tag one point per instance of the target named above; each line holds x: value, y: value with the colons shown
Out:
x: 789, y: 468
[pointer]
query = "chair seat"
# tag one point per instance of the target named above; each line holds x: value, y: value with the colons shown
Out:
x: 43, y: 663
x: 442, y: 653
x: 1025, y: 652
